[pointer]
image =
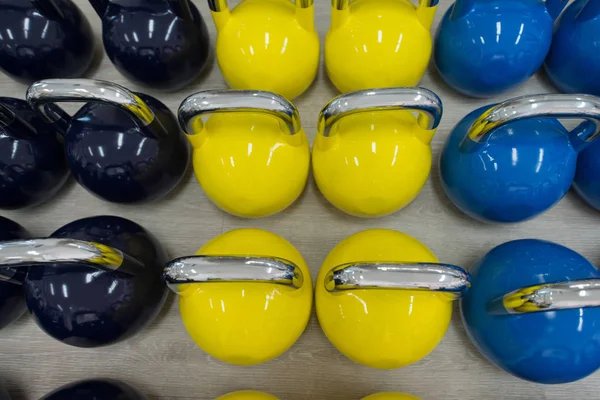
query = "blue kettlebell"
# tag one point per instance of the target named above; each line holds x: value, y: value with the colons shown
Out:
x: 533, y: 311
x: 587, y: 175
x: 485, y: 47
x: 163, y: 44
x: 12, y: 302
x: 43, y: 39
x: 93, y: 282
x: 512, y: 161
x: 95, y: 389
x: 32, y: 160
x: 122, y: 146
x: 573, y: 63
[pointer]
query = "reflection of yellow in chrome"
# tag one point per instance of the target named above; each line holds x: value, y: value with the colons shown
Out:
x: 373, y: 163
x: 247, y: 395
x: 248, y: 164
x: 268, y: 45
x: 390, y: 396
x: 378, y: 43
x: 381, y: 328
x: 243, y: 322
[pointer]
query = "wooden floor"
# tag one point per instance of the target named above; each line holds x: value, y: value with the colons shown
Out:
x: 163, y: 362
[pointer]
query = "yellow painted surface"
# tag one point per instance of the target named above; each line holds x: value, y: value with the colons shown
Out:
x: 247, y: 395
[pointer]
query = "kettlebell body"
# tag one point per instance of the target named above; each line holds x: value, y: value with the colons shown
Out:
x: 45, y: 39
x: 12, y: 302
x: 247, y: 395
x: 96, y: 389
x: 587, y: 177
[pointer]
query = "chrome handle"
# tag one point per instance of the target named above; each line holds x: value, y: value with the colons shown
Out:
x: 218, y: 101
x: 548, y: 297
x: 203, y: 269
x: 582, y: 106
x: 408, y: 276
x: 423, y: 101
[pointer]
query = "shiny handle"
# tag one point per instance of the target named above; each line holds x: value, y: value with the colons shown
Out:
x: 16, y: 254
x: 220, y: 101
x: 549, y: 297
x: 433, y: 277
x: 202, y: 269
x: 221, y: 5
x: 582, y: 106
x: 42, y: 95
x: 423, y: 101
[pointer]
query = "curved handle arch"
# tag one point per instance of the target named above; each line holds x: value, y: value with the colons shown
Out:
x: 421, y: 100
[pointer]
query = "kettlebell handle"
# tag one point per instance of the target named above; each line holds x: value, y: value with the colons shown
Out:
x: 225, y: 101
x: 572, y: 106
x: 204, y: 269
x: 420, y: 100
x: 432, y: 277
x: 42, y: 95
x: 548, y: 297
x: 221, y: 5
x: 16, y: 254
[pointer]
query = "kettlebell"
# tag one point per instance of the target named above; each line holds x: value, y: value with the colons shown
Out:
x: 512, y: 161
x: 12, y: 302
x: 269, y: 45
x: 573, y: 62
x: 93, y: 282
x: 245, y: 298
x: 122, y: 146
x: 371, y: 156
x: 384, y: 300
x: 162, y: 44
x: 546, y: 290
x: 247, y: 395
x: 486, y: 47
x: 44, y: 39
x: 378, y: 43
x: 390, y: 396
x: 96, y: 389
x: 251, y: 156
x: 32, y: 161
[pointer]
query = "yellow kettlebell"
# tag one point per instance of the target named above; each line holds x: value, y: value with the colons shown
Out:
x: 390, y: 396
x: 378, y: 43
x: 267, y: 45
x: 251, y: 156
x: 384, y: 300
x: 248, y: 395
x: 245, y: 297
x: 371, y: 156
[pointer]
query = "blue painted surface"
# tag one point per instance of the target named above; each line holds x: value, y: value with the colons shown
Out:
x: 156, y: 43
x: 523, y: 168
x: 114, y: 158
x: 32, y: 161
x: 96, y: 389
x: 587, y: 176
x: 12, y: 302
x: 42, y: 39
x: 485, y: 47
x: 87, y: 307
x: 574, y: 60
x: 545, y: 347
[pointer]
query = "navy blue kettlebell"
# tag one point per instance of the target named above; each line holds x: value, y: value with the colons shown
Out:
x: 122, y: 146
x: 163, y: 44
x: 12, y: 302
x: 95, y: 389
x: 32, y: 160
x: 42, y: 39
x: 93, y: 282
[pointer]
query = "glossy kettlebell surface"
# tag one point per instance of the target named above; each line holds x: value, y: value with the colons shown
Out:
x: 122, y: 146
x: 252, y: 162
x: 259, y: 308
x: 32, y: 161
x: 269, y: 45
x: 247, y: 395
x: 378, y: 43
x: 552, y: 346
x: 587, y: 175
x: 390, y: 396
x: 367, y: 308
x: 12, y: 302
x: 162, y: 44
x: 95, y: 389
x: 44, y: 39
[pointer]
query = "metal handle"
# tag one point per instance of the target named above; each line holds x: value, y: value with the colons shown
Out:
x: 343, y: 4
x: 423, y: 101
x: 407, y: 276
x: 219, y: 101
x: 581, y: 106
x: 202, y: 269
x: 44, y: 93
x: 221, y: 5
x: 549, y: 297
x: 28, y: 252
